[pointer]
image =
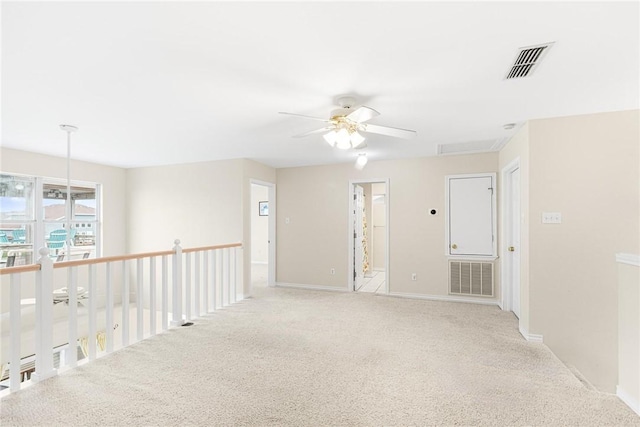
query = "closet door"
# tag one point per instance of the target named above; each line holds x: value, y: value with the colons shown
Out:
x: 471, y: 215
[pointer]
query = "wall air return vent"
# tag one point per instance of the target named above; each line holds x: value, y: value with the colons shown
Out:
x: 527, y: 59
x: 471, y: 278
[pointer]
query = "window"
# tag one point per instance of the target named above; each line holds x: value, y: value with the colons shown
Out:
x: 33, y: 214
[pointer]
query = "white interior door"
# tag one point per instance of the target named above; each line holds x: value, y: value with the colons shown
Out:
x: 471, y: 216
x: 514, y: 237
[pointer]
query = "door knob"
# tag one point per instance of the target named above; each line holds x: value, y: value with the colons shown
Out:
x: 511, y: 249
x: 454, y: 246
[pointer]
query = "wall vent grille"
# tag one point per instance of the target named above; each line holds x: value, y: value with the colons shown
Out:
x: 527, y: 59
x: 471, y: 278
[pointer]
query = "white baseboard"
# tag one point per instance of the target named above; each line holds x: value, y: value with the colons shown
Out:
x: 628, y: 400
x: 310, y: 287
x: 446, y: 298
x: 530, y: 337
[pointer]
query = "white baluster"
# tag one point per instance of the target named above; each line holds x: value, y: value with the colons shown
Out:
x: 72, y: 289
x: 187, y: 288
x: 152, y: 296
x: 15, y: 325
x: 140, y: 299
x: 93, y: 309
x: 125, y: 303
x: 196, y: 291
x: 177, y: 285
x: 205, y: 281
x: 234, y: 276
x: 227, y: 270
x: 44, y: 318
x: 214, y: 279
x: 165, y: 294
x: 110, y: 324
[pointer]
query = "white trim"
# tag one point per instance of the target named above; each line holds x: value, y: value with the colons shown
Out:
x: 447, y: 240
x: 260, y: 262
x: 443, y: 298
x: 471, y: 258
x: 352, y: 183
x: 631, y: 259
x: 529, y: 337
x: 628, y: 400
x: 310, y: 287
x: 506, y: 291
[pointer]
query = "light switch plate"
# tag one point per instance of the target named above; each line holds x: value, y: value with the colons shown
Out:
x: 551, y: 218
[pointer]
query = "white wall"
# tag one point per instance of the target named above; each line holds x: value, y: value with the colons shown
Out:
x: 315, y: 199
x: 259, y: 226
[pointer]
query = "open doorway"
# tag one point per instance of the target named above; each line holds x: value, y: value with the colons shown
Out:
x: 262, y: 234
x: 369, y: 236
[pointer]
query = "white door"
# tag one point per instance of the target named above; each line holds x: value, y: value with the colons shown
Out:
x: 358, y: 255
x: 514, y: 237
x: 471, y: 216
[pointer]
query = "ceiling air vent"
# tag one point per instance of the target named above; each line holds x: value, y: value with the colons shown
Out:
x: 527, y: 60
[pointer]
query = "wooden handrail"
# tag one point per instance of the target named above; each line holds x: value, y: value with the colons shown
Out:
x: 20, y: 269
x: 63, y: 264
x: 211, y: 248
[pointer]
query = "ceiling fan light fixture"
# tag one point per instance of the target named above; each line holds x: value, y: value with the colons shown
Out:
x: 356, y: 139
x: 330, y: 138
x: 361, y: 161
x: 343, y: 139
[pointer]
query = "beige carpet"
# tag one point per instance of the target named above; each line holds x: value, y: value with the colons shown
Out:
x: 309, y: 358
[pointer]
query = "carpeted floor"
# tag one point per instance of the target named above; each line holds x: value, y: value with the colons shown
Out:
x: 311, y: 358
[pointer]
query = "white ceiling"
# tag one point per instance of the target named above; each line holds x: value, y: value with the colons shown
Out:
x: 156, y: 83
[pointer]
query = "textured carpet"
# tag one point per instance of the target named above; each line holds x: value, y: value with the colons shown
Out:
x: 297, y: 357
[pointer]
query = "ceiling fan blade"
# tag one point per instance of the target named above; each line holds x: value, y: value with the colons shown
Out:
x: 389, y: 131
x: 321, y: 130
x: 306, y: 117
x: 362, y: 114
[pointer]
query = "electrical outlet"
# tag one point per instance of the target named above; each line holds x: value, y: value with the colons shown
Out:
x: 414, y: 276
x: 333, y: 271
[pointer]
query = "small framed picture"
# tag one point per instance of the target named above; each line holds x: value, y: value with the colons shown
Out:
x: 263, y: 208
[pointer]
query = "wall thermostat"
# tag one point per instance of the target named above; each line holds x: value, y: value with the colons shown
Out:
x: 433, y: 212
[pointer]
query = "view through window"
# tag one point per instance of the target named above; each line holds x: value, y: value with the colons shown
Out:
x: 33, y: 214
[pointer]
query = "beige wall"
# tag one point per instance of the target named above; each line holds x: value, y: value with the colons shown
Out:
x: 259, y: 226
x: 315, y: 199
x: 585, y: 167
x: 198, y: 203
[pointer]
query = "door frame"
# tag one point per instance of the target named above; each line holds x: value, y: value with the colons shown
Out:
x: 350, y: 245
x: 506, y: 230
x: 271, y: 275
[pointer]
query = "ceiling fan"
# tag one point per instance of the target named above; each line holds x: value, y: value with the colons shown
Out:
x: 343, y: 127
